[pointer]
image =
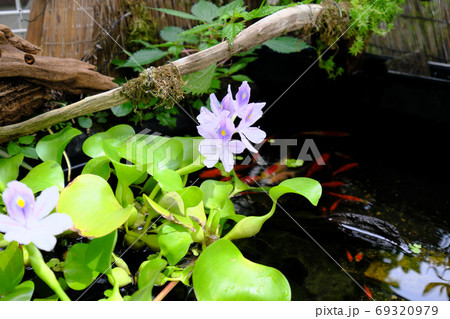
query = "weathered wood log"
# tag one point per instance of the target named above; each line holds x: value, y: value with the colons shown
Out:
x: 286, y: 20
x: 17, y: 59
x: 20, y: 99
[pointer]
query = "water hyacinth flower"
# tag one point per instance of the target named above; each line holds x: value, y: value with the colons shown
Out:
x: 217, y: 127
x: 29, y: 220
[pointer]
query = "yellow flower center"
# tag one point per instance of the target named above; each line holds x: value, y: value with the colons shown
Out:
x: 20, y: 202
x: 223, y: 132
x: 244, y: 95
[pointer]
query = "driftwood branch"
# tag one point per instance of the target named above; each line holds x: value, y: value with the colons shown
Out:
x: 287, y: 20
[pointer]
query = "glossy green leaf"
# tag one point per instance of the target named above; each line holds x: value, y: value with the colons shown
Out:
x: 115, y: 136
x: 76, y: 271
x: 174, y: 241
x: 223, y: 273
x: 171, y: 207
x: 152, y: 153
x: 45, y: 175
x: 11, y: 268
x: 94, y: 209
x: 98, y: 254
x: 307, y: 187
x: 215, y: 193
x: 51, y: 147
x: 98, y: 166
x: 190, y: 149
x: 192, y: 197
x: 22, y: 292
x: 168, y: 180
x: 9, y: 169
x: 148, y: 273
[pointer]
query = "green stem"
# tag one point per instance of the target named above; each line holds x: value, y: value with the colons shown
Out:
x: 44, y: 272
x: 191, y: 168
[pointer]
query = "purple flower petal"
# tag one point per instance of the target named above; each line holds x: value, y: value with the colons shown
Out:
x: 214, y: 103
x: 243, y: 95
x: 19, y: 201
x: 46, y: 202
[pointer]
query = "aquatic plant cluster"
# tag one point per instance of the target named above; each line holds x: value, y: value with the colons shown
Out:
x: 189, y: 229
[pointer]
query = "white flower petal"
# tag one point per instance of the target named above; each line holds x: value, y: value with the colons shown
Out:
x: 7, y: 223
x: 19, y: 234
x: 236, y: 146
x: 247, y: 144
x: 43, y: 241
x: 254, y: 134
x: 54, y: 224
x: 46, y: 202
x: 227, y: 159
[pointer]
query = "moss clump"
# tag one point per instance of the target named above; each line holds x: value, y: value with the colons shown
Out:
x: 163, y: 82
x: 334, y: 20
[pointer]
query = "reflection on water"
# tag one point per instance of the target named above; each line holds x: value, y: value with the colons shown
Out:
x: 423, y: 277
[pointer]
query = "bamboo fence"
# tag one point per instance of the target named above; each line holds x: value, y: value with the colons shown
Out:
x: 423, y: 26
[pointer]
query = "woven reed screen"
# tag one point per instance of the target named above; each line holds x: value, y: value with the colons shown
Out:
x: 423, y: 26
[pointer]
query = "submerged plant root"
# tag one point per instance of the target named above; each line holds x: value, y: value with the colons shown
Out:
x: 334, y: 20
x: 164, y: 82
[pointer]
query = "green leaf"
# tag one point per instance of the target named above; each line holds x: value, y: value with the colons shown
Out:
x: 98, y: 166
x: 11, y: 268
x: 286, y: 45
x: 231, y: 30
x: 9, y: 169
x: 307, y: 187
x: 230, y: 8
x: 84, y: 121
x: 168, y: 180
x: 143, y: 57
x: 26, y: 140
x: 166, y: 119
x: 205, y: 11
x: 176, y: 13
x: 262, y: 12
x: 115, y: 136
x: 29, y: 152
x: 45, y: 175
x: 190, y: 149
x: 123, y: 109
x: 222, y: 273
x: 22, y: 292
x: 51, y: 147
x: 170, y: 34
x: 241, y: 78
x: 148, y: 273
x: 94, y: 209
x: 152, y: 153
x: 13, y: 148
x: 199, y: 82
x: 77, y: 273
x: 174, y: 241
x: 215, y: 193
x: 98, y: 254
